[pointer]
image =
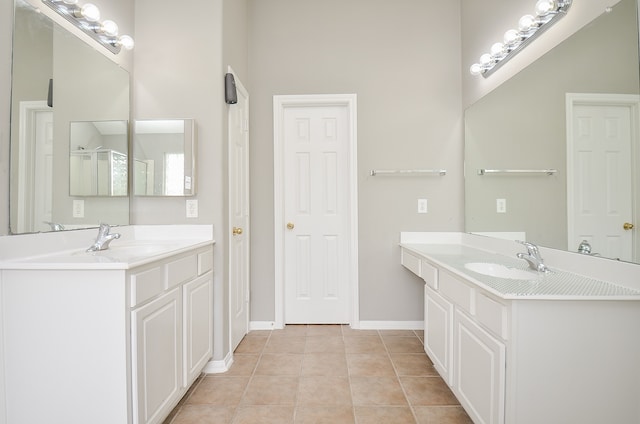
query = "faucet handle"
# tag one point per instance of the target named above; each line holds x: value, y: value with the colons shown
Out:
x: 104, y: 229
x: 532, y: 249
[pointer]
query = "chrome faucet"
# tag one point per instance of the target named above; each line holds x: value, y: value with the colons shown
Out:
x: 103, y: 239
x: 584, y: 248
x: 54, y: 226
x: 533, y: 257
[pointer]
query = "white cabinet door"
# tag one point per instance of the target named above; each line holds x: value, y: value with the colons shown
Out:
x: 438, y: 316
x: 198, y: 325
x: 157, y: 357
x: 479, y: 371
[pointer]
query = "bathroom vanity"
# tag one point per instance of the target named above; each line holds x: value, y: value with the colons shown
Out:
x: 115, y: 336
x: 521, y: 347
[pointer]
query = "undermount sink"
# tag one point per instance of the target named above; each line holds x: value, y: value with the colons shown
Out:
x: 500, y: 271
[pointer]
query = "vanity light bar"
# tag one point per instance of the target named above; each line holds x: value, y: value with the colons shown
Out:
x: 547, y: 12
x: 87, y: 18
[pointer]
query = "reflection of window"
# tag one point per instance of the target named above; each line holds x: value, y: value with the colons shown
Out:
x: 173, y: 173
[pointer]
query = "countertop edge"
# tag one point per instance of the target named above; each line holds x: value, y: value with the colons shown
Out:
x: 44, y: 265
x: 508, y: 296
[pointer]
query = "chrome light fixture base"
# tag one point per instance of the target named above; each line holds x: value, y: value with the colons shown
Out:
x: 90, y: 25
x: 515, y: 40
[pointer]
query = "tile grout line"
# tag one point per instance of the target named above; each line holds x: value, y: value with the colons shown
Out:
x: 253, y: 373
x: 346, y: 361
x: 395, y: 370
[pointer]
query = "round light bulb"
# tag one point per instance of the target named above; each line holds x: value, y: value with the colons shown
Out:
x: 497, y: 49
x: 543, y: 7
x: 475, y: 69
x: 90, y: 12
x: 526, y: 23
x: 485, y: 59
x: 126, y: 42
x: 109, y: 28
x: 512, y: 36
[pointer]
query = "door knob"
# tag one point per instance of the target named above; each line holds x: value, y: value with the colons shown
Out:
x: 628, y: 226
x: 236, y: 231
x: 290, y: 226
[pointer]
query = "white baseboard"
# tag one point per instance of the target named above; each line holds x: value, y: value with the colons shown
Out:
x: 391, y: 325
x: 362, y: 325
x: 218, y: 367
x: 262, y: 325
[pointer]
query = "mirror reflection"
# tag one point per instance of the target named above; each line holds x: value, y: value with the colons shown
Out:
x: 58, y: 80
x: 163, y: 157
x: 98, y: 158
x: 563, y: 112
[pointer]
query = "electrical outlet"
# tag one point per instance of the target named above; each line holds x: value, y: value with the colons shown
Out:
x: 192, y: 208
x: 501, y: 205
x: 78, y: 208
x: 422, y: 206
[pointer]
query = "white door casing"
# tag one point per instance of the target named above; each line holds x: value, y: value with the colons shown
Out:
x: 239, y: 214
x: 602, y: 140
x: 35, y: 156
x: 315, y: 199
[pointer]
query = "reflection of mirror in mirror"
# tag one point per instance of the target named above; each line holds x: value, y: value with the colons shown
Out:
x: 51, y: 66
x: 98, y: 158
x: 164, y: 154
x: 522, y: 124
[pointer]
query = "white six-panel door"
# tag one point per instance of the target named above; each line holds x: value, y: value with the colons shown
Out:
x: 239, y: 216
x: 315, y: 196
x: 316, y: 289
x: 600, y: 162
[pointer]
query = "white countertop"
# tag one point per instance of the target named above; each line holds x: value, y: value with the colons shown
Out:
x: 554, y: 285
x: 138, y: 245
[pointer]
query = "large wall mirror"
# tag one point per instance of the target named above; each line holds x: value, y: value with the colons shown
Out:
x: 61, y: 88
x: 576, y: 111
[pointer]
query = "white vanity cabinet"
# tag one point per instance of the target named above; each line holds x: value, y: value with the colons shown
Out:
x: 157, y: 356
x: 468, y: 357
x: 108, y: 343
x: 172, y: 334
x: 438, y: 332
x: 480, y: 366
x: 513, y: 358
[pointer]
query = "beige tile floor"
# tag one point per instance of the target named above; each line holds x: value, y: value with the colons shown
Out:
x: 323, y: 374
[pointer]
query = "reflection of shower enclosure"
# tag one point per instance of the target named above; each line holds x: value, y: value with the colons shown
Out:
x: 143, y: 179
x: 101, y: 172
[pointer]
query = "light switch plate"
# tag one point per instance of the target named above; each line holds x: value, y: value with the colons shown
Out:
x: 501, y: 205
x: 422, y: 206
x: 78, y: 208
x: 192, y: 208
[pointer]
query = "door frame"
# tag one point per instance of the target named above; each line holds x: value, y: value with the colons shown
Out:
x: 632, y: 101
x: 247, y: 233
x: 26, y: 162
x: 280, y: 104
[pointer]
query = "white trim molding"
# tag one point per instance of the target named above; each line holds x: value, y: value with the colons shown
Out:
x: 218, y: 367
x: 263, y: 325
x: 391, y: 325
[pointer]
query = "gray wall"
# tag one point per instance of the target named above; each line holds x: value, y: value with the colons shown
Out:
x: 178, y: 73
x: 402, y: 59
